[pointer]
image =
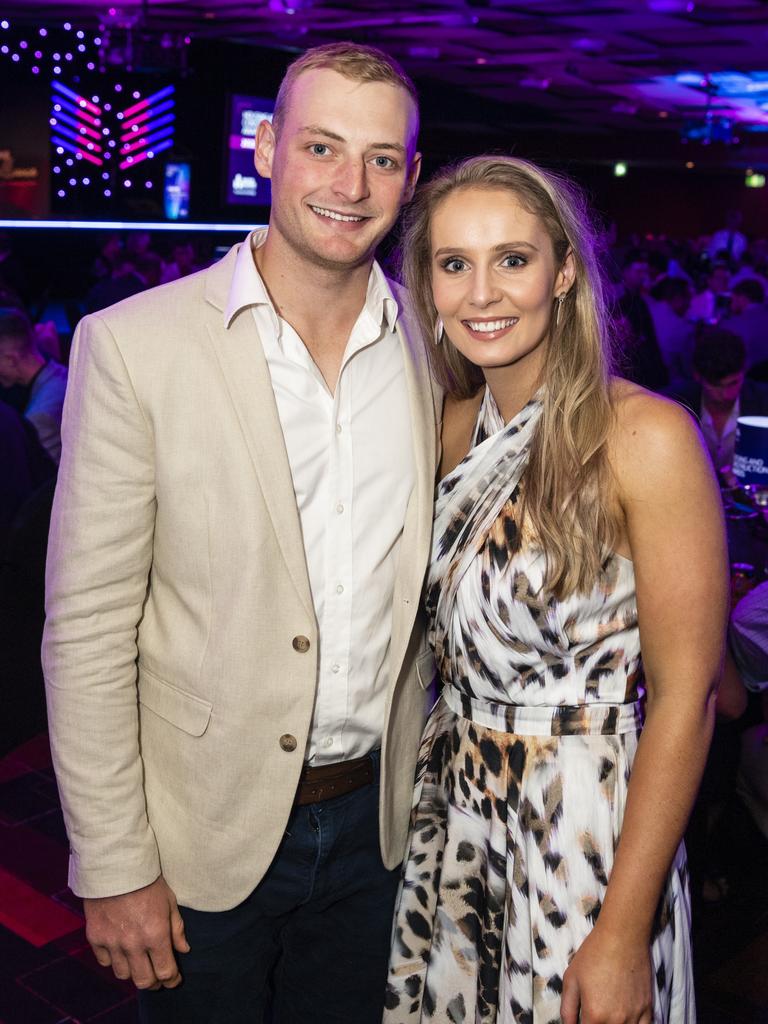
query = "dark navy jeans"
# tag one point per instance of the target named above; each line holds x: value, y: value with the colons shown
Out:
x: 309, y: 945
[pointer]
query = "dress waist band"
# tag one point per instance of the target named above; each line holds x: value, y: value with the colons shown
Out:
x: 565, y: 720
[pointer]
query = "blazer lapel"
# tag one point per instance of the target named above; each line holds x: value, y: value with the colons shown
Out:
x: 417, y: 532
x: 244, y: 366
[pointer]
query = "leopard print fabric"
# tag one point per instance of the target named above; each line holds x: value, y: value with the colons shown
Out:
x: 524, y: 767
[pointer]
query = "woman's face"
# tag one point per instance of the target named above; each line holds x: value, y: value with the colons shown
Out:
x: 494, y: 278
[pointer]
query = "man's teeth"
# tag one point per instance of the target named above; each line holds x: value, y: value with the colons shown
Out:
x: 335, y: 216
x: 488, y: 326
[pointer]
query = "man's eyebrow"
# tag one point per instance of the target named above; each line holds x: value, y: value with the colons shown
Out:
x: 316, y: 129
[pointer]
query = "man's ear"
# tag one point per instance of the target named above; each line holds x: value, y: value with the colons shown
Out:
x: 264, y: 152
x: 413, y: 176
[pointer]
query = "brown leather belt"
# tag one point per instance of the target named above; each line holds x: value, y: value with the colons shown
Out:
x: 330, y: 780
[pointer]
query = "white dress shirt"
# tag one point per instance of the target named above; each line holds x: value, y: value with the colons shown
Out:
x: 721, y: 446
x: 352, y: 462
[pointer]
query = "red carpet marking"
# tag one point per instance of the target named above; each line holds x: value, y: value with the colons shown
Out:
x: 31, y: 915
x: 35, y: 752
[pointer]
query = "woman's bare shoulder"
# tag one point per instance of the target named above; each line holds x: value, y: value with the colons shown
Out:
x: 640, y: 411
x: 459, y: 417
x: 651, y: 434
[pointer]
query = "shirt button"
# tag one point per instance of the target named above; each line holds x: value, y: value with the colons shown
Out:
x: 328, y: 741
x: 338, y: 428
x: 300, y: 644
x: 335, y: 667
x: 288, y: 742
x: 339, y: 588
x: 339, y: 508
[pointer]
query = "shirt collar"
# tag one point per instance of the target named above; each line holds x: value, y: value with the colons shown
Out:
x: 730, y: 424
x: 248, y: 288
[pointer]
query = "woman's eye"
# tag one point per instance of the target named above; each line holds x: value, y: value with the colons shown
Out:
x: 514, y: 261
x: 454, y: 265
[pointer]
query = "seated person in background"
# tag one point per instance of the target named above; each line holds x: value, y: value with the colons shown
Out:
x: 669, y: 302
x: 728, y: 243
x: 748, y: 648
x: 149, y: 268
x: 641, y: 360
x: 750, y: 266
x: 719, y: 392
x: 15, y: 476
x: 710, y: 304
x: 22, y: 363
x: 183, y: 263
x: 122, y: 282
x: 749, y: 319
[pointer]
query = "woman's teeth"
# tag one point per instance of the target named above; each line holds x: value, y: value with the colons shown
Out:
x: 489, y: 326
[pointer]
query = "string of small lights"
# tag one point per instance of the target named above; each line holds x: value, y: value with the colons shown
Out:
x: 98, y: 140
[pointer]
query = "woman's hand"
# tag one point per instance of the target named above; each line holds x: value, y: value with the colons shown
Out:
x: 609, y: 981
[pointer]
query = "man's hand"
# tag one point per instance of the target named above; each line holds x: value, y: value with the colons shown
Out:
x: 136, y: 933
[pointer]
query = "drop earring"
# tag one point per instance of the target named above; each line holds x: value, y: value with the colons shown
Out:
x: 560, y: 299
x: 437, y: 333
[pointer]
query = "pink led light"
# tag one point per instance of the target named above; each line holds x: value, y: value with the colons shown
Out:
x: 141, y: 105
x: 85, y: 104
x: 131, y: 161
x: 134, y: 145
x: 90, y: 158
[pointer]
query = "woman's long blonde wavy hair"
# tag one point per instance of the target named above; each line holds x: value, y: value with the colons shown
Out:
x: 566, y: 502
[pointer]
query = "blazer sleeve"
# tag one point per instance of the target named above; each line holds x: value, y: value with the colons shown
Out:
x: 99, y: 559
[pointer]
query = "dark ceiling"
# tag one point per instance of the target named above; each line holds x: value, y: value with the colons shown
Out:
x: 604, y: 67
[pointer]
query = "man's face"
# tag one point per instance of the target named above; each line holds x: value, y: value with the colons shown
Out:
x: 724, y: 391
x: 637, y: 276
x: 738, y: 303
x: 342, y: 164
x: 719, y: 280
x: 9, y: 365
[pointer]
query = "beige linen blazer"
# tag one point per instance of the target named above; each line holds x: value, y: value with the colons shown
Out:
x: 178, y: 597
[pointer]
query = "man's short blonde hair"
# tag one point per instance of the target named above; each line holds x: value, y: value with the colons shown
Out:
x: 352, y: 60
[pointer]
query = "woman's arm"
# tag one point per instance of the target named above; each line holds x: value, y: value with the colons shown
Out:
x: 676, y: 537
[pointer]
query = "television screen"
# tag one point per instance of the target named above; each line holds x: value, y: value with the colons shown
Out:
x: 243, y: 185
x: 176, y: 191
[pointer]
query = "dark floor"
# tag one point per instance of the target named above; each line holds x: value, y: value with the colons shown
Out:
x: 48, y: 975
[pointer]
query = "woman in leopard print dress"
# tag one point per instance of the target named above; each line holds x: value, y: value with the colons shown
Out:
x: 519, y: 903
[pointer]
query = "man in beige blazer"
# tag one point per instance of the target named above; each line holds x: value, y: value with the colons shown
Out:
x: 235, y: 663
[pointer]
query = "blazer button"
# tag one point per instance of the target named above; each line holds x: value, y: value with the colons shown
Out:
x: 301, y: 644
x: 288, y: 742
